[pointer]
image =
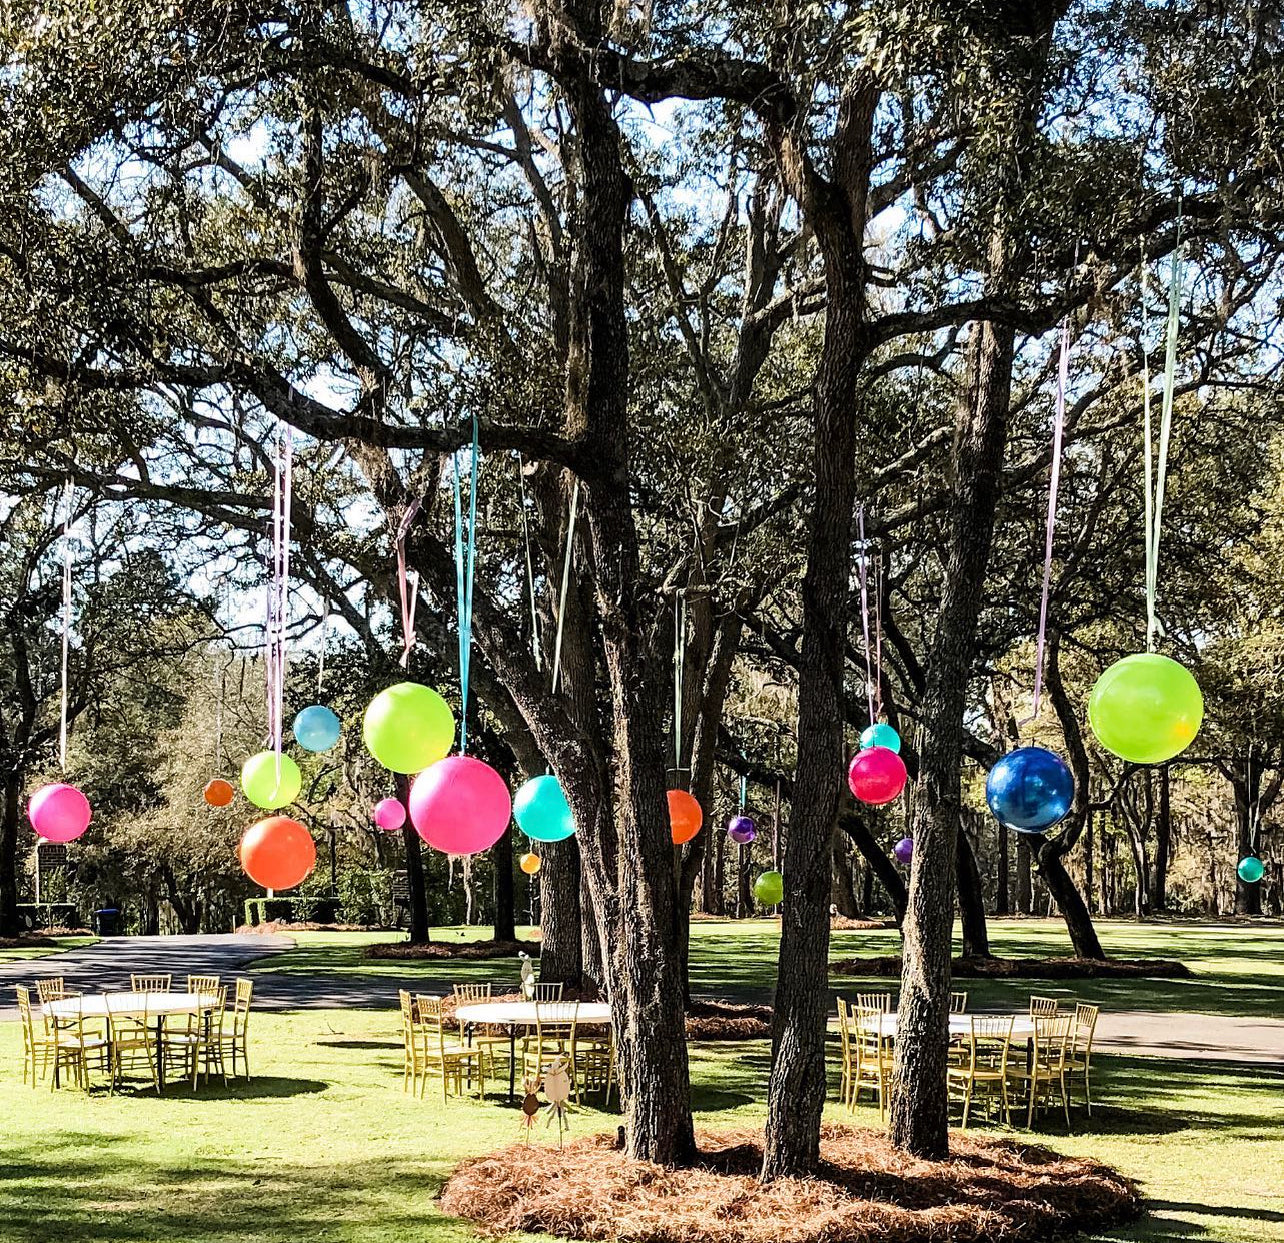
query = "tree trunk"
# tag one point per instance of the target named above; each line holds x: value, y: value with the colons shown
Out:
x: 744, y: 881
x: 1024, y: 884
x: 1083, y: 935
x: 976, y: 936
x: 1089, y: 832
x: 844, y: 882
x: 10, y: 820
x: 1246, y: 785
x: 592, y: 968
x: 561, y: 953
x: 1001, y: 900
x: 503, y: 889
x: 417, y: 895
x: 877, y: 861
x: 1163, y: 845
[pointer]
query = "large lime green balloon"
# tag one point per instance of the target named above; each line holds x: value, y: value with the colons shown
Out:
x: 408, y: 727
x: 259, y: 780
x: 1146, y: 708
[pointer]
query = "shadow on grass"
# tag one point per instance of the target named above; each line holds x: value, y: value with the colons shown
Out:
x: 267, y: 1087
x: 359, y: 1044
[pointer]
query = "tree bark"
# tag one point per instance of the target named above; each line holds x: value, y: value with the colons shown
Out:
x: 844, y: 897
x: 9, y: 823
x: 503, y: 889
x: 1024, y: 881
x: 417, y: 895
x: 1074, y: 910
x: 1163, y: 845
x: 561, y: 952
x: 976, y: 936
x: 1001, y: 891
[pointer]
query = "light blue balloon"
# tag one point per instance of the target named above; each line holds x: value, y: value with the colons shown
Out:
x: 316, y: 728
x: 541, y: 810
x: 881, y: 735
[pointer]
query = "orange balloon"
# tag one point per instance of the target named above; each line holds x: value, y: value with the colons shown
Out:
x: 219, y: 793
x: 277, y: 853
x: 530, y: 864
x: 685, y: 816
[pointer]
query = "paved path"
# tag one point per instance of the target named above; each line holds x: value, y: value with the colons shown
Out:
x: 108, y: 963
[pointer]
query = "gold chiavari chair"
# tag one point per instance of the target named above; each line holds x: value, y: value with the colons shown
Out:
x: 37, y: 1044
x: 235, y: 1041
x: 554, y: 1035
x: 874, y: 1001
x: 1079, y: 1055
x: 193, y: 1042
x: 1044, y: 1076
x: 133, y: 1043
x: 1044, y: 1007
x: 454, y: 1062
x: 53, y: 988
x: 495, y: 1040
x: 73, y: 1044
x: 593, y: 1058
x: 845, y: 1083
x: 204, y: 985
x: 873, y: 1056
x: 958, y: 1003
x: 140, y: 983
x: 547, y: 990
x: 412, y: 1033
x: 983, y: 1070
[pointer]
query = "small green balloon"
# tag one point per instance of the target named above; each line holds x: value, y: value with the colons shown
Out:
x: 408, y: 727
x: 1250, y: 870
x: 1146, y: 708
x: 769, y: 888
x: 260, y: 783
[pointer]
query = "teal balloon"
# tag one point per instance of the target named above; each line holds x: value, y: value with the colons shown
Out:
x: 1250, y: 870
x: 316, y: 728
x: 769, y: 889
x: 881, y: 735
x: 541, y: 810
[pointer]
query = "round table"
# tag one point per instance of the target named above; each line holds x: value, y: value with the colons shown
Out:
x: 133, y: 1005
x: 515, y: 1014
x: 961, y: 1025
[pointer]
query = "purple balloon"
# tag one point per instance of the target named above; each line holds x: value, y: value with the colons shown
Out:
x: 904, y: 850
x: 741, y: 829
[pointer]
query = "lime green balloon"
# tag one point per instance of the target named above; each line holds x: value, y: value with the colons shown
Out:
x: 260, y: 783
x: 769, y: 888
x: 408, y: 727
x: 1146, y: 708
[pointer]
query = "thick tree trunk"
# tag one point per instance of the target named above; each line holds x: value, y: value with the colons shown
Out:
x: 10, y: 820
x: 592, y: 957
x: 976, y: 936
x: 1001, y: 899
x: 1024, y: 880
x: 417, y: 896
x: 1163, y: 845
x: 503, y: 890
x: 560, y: 914
x: 878, y: 862
x: 843, y: 895
x: 1074, y: 910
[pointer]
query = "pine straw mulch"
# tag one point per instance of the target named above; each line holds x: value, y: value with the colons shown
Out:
x: 401, y: 951
x: 1029, y: 968
x: 866, y: 1192
x: 727, y: 1020
x: 46, y: 939
x: 842, y: 923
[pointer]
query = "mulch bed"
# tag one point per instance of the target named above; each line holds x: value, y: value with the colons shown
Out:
x: 841, y: 923
x: 726, y: 1020
x: 42, y: 940
x: 865, y: 1192
x: 280, y: 925
x: 1029, y: 968
x: 401, y: 951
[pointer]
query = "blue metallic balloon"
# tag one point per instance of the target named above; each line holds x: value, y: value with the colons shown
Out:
x: 1030, y: 789
x: 881, y: 735
x: 316, y: 728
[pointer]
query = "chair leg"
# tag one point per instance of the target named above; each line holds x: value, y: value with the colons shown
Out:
x: 967, y: 1103
x: 1065, y: 1098
x: 1029, y: 1117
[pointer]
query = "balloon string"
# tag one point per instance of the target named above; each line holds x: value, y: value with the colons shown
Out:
x: 566, y: 582
x: 863, y: 576
x: 69, y: 497
x: 530, y: 569
x: 1050, y: 526
x: 407, y: 585
x: 465, y: 563
x: 278, y: 589
x: 878, y: 636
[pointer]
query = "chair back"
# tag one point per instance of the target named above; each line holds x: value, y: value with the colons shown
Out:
x: 1051, y: 1036
x: 958, y: 1003
x: 874, y: 1001
x: 1044, y: 1007
x: 66, y: 1024
x: 241, y: 1006
x: 140, y: 983
x: 432, y: 1020
x: 554, y: 1027
x: 215, y: 1014
x: 989, y: 1039
x: 121, y: 1015
x: 870, y: 1028
x: 51, y: 988
x: 1085, y: 1025
x: 28, y: 1018
x: 550, y: 990
x: 844, y: 1028
x: 472, y: 992
x: 204, y: 985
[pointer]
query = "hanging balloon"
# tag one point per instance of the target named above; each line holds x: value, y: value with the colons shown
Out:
x: 904, y: 850
x: 316, y: 728
x: 260, y: 782
x: 881, y: 735
x: 408, y: 727
x: 741, y: 829
x: 59, y: 812
x: 769, y: 888
x: 1250, y: 870
x: 1146, y: 708
x: 1030, y: 789
x: 541, y: 810
x: 277, y: 853
x: 685, y: 816
x: 530, y: 863
x: 390, y: 814
x: 877, y: 775
x: 219, y: 793
x: 460, y: 805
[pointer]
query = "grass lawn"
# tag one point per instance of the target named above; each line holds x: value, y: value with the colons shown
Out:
x: 58, y: 945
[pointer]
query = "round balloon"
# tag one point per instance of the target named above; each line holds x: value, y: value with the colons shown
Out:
x: 541, y: 810
x: 1146, y: 708
x: 277, y: 853
x: 316, y: 728
x: 59, y: 812
x: 685, y: 816
x: 408, y: 727
x: 741, y: 829
x: 877, y: 775
x: 262, y: 785
x: 904, y: 850
x: 1250, y: 870
x: 1030, y: 789
x: 769, y: 888
x: 460, y: 805
x: 219, y: 793
x: 390, y: 814
x: 881, y: 735
x: 530, y: 863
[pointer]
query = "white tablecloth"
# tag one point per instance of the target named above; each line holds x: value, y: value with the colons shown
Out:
x: 94, y: 1005
x: 961, y: 1025
x: 514, y: 1013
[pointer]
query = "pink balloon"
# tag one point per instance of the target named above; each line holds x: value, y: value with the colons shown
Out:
x: 390, y: 814
x: 59, y: 812
x: 877, y: 775
x: 460, y: 805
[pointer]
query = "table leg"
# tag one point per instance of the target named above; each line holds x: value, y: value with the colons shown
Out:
x: 512, y: 1062
x: 160, y: 1054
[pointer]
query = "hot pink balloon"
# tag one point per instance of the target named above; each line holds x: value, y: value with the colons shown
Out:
x: 390, y: 814
x: 59, y: 812
x: 877, y: 775
x: 460, y: 805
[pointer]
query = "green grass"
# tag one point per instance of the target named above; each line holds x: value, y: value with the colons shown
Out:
x: 19, y: 953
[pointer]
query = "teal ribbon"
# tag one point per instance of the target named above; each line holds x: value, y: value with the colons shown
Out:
x: 465, y: 563
x: 744, y: 793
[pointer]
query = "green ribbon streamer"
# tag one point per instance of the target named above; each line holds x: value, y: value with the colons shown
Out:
x: 744, y: 793
x: 566, y: 582
x: 465, y: 563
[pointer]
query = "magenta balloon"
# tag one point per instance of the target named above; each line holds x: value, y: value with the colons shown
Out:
x: 877, y: 775
x: 59, y: 812
x: 460, y: 805
x: 390, y: 814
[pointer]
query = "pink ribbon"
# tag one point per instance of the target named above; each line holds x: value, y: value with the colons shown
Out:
x: 407, y: 586
x: 863, y: 575
x: 278, y: 590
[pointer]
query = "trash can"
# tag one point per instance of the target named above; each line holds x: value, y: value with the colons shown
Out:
x: 107, y: 921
